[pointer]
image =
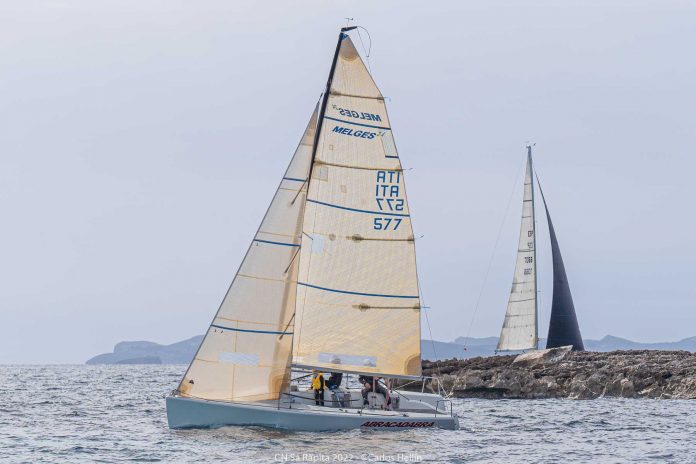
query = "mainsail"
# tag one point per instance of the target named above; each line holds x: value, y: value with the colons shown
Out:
x: 520, y: 326
x: 358, y: 304
x: 329, y: 280
x: 563, y: 327
x: 245, y: 354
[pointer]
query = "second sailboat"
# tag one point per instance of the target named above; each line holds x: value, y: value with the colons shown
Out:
x: 521, y: 325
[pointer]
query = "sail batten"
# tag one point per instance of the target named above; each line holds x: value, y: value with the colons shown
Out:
x: 350, y: 314
x: 520, y: 330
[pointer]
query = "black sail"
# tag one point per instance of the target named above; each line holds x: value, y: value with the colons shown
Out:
x: 563, y: 328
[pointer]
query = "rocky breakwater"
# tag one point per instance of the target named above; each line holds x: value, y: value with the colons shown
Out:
x: 561, y: 373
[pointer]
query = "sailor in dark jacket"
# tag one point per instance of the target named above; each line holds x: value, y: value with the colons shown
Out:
x: 368, y: 381
x: 334, y: 380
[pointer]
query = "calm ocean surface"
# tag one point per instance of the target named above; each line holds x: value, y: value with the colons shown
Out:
x: 116, y: 414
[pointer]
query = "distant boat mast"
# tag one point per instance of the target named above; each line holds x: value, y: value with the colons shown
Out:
x: 534, y: 257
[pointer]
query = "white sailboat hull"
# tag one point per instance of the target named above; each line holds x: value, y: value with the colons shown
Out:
x: 196, y: 413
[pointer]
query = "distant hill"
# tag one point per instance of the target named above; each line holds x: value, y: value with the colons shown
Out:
x: 486, y: 346
x: 150, y: 353
x: 611, y: 343
x: 182, y: 352
x: 485, y: 341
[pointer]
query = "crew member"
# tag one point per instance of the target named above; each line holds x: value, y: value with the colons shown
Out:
x: 368, y: 382
x: 318, y: 385
x: 334, y: 380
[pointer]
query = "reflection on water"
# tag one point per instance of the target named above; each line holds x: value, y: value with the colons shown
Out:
x: 116, y: 413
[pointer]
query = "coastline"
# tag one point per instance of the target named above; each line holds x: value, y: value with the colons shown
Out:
x: 559, y: 373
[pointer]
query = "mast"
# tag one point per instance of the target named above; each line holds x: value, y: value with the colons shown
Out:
x: 534, y: 257
x: 325, y: 99
x: 320, y: 122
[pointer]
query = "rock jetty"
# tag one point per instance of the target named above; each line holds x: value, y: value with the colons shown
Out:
x: 561, y: 373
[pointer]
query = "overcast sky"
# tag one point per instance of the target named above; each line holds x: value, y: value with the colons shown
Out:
x: 141, y: 141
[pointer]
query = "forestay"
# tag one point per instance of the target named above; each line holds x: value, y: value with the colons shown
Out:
x: 245, y: 354
x: 358, y: 305
x: 520, y: 326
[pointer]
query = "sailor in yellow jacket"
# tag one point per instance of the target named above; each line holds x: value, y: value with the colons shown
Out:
x: 318, y: 386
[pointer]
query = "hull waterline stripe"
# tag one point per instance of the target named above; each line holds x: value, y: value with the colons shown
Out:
x: 251, y: 331
x: 276, y: 243
x: 295, y: 179
x: 357, y: 123
x: 381, y: 213
x: 354, y: 293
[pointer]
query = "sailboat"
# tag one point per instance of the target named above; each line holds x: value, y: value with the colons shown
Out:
x: 521, y: 325
x: 328, y: 284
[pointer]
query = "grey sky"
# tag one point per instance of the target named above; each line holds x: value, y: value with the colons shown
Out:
x: 141, y: 141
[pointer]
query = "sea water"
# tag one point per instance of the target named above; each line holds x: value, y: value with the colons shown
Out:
x: 117, y: 414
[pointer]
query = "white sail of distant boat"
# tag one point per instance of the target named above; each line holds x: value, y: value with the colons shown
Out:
x: 329, y: 282
x: 520, y: 327
x: 519, y: 330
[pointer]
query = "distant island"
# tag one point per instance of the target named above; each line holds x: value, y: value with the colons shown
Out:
x: 150, y: 353
x: 142, y: 352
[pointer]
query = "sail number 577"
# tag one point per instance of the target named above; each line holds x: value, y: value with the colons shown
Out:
x: 384, y: 223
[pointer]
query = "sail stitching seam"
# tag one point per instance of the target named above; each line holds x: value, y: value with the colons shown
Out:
x: 355, y: 293
x: 276, y: 243
x: 357, y: 123
x: 382, y: 213
x: 366, y: 168
x: 249, y: 330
